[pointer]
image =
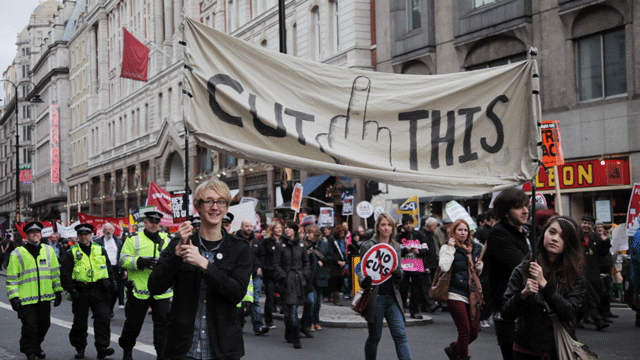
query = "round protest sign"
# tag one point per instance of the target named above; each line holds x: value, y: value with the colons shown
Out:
x: 379, y: 262
x: 377, y: 211
x: 364, y: 209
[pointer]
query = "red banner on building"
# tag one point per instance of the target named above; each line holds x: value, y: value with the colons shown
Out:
x: 584, y: 174
x: 54, y: 114
x: 97, y: 222
x: 26, y: 175
x: 135, y: 58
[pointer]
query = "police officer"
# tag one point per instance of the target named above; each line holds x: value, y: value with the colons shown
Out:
x: 139, y: 254
x: 33, y: 281
x: 88, y: 277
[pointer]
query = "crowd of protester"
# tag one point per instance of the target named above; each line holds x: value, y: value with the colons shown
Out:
x: 500, y: 276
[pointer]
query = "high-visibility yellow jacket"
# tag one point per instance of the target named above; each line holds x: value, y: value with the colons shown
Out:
x: 90, y: 268
x: 248, y: 297
x: 134, y: 247
x: 32, y: 280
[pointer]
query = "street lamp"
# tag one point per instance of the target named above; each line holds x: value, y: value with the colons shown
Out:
x: 35, y: 100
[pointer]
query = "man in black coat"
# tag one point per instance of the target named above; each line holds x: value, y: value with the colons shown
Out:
x: 112, y: 244
x: 429, y: 225
x: 482, y: 234
x: 593, y: 310
x: 209, y: 271
x: 257, y: 252
x: 413, y: 279
x: 507, y: 246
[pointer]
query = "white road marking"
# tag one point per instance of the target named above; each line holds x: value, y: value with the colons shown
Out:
x: 149, y: 349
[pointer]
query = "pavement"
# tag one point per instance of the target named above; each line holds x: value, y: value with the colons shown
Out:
x: 339, y: 316
x: 342, y: 316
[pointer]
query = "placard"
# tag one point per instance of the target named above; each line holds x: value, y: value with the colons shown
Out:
x: 364, y: 209
x: 603, y: 210
x: 179, y: 209
x: 456, y: 212
x: 632, y: 211
x: 347, y: 205
x: 326, y: 216
x: 379, y: 262
x: 296, y: 198
x: 551, y: 143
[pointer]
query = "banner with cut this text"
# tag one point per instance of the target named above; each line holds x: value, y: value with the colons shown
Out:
x: 462, y: 133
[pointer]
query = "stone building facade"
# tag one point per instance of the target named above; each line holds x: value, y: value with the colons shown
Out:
x: 588, y: 54
x: 125, y: 134
x: 35, y: 71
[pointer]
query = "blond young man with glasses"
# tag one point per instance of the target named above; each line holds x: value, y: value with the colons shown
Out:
x: 209, y: 271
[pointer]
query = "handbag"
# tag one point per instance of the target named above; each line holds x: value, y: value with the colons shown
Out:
x: 566, y: 346
x: 360, y: 302
x: 440, y: 286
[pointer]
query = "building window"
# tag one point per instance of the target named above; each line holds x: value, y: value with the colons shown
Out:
x: 414, y: 15
x: 479, y: 3
x: 499, y: 62
x: 227, y: 161
x: 317, y: 32
x: 601, y: 64
x: 335, y: 26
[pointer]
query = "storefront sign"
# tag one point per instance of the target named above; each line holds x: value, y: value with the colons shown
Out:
x: 583, y: 174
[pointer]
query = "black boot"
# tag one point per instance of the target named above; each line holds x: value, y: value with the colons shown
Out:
x: 31, y: 356
x: 336, y: 298
x: 306, y: 333
x: 287, y: 333
x: 600, y: 324
x: 104, y: 352
x: 452, y: 351
x: 79, y: 353
x: 127, y: 354
x: 295, y: 333
x: 40, y: 354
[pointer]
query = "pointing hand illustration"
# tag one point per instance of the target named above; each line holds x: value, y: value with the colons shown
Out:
x: 352, y: 140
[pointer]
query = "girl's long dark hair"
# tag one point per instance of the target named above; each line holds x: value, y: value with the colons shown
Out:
x: 569, y: 266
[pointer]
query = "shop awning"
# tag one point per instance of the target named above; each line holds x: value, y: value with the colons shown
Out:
x: 312, y: 183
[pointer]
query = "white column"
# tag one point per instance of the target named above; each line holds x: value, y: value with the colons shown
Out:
x: 158, y: 19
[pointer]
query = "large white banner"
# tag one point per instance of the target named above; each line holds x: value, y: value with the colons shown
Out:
x: 464, y: 133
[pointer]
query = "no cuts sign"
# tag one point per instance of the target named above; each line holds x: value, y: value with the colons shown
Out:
x: 379, y: 262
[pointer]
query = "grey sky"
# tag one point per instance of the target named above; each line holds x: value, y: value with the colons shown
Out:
x: 14, y: 16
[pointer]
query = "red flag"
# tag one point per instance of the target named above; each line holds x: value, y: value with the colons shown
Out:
x: 20, y: 227
x: 98, y: 222
x: 135, y: 58
x: 161, y: 199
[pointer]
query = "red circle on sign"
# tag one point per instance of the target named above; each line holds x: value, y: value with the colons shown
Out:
x: 379, y: 262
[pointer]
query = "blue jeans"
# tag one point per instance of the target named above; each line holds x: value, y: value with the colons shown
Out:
x: 307, y: 312
x: 387, y: 308
x: 315, y: 318
x: 256, y: 319
x: 291, y: 315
